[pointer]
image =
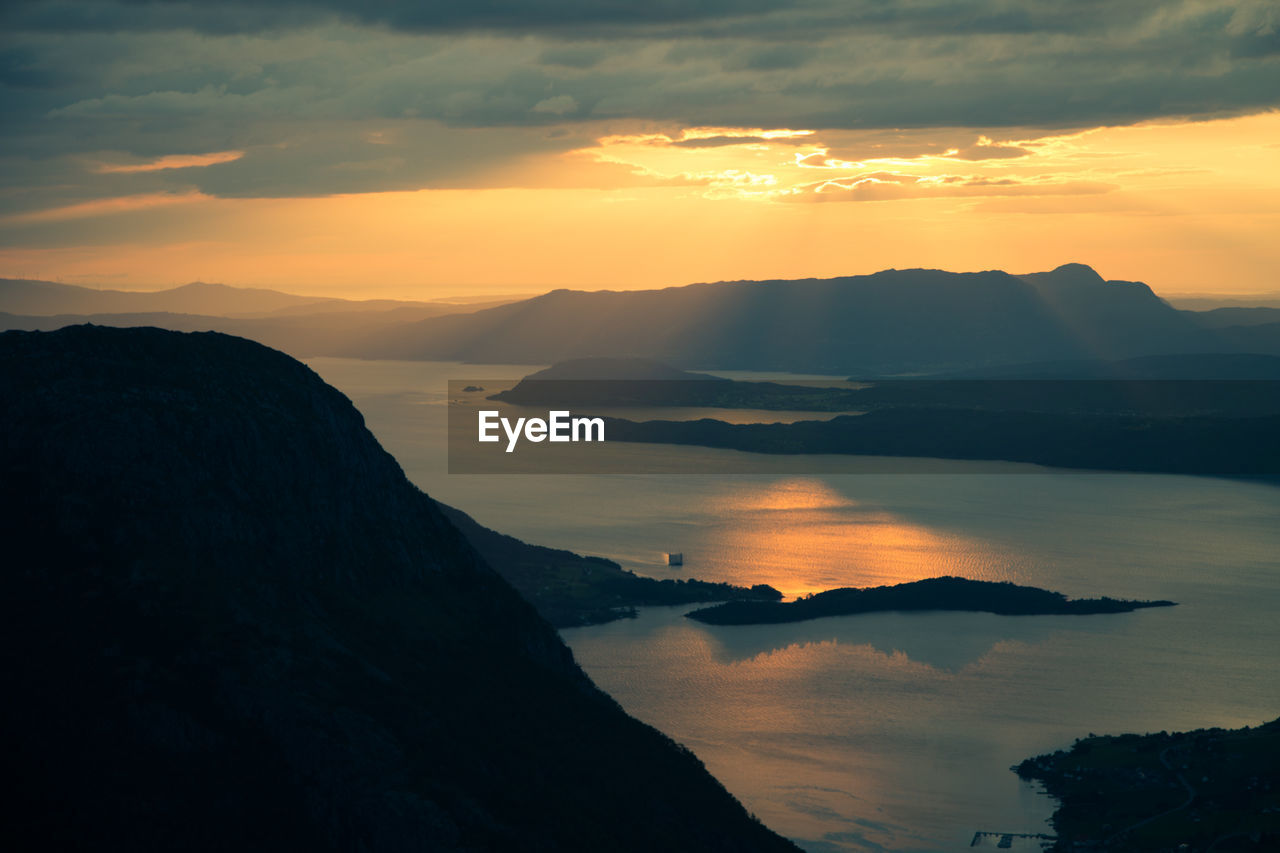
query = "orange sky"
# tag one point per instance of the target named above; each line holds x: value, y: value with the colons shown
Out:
x: 1187, y: 207
x: 407, y: 149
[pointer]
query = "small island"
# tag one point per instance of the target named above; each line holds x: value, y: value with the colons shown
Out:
x: 1209, y: 789
x: 945, y: 593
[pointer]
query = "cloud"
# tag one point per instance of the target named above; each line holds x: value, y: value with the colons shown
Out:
x: 574, y: 55
x: 102, y: 206
x: 717, y: 141
x: 171, y: 161
x: 468, y: 93
x: 894, y: 187
x: 557, y: 106
x: 986, y: 149
x: 240, y: 16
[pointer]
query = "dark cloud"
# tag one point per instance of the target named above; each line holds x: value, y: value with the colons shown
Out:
x: 292, y: 160
x: 768, y: 57
x: 240, y: 16
x: 574, y: 55
x: 470, y: 89
x: 758, y: 19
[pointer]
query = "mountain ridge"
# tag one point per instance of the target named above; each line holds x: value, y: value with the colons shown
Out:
x: 36, y: 297
x: 890, y: 321
x: 228, y: 621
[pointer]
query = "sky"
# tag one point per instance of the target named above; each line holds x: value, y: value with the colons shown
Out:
x: 370, y: 148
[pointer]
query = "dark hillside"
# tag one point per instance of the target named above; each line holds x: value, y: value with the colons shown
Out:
x: 229, y: 622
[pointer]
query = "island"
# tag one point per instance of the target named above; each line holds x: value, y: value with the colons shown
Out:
x: 943, y: 593
x: 1209, y: 789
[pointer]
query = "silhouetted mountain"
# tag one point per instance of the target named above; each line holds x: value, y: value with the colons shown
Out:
x: 229, y: 622
x: 330, y: 332
x: 1208, y: 301
x: 31, y: 297
x: 892, y: 321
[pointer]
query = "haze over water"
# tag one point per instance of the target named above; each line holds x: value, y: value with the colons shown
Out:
x: 891, y: 731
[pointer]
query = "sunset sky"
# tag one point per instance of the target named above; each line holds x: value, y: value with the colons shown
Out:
x: 431, y: 149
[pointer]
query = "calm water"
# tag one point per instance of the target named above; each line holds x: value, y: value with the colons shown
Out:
x: 891, y: 731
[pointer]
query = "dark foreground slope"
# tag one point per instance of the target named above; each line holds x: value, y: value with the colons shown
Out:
x: 228, y: 622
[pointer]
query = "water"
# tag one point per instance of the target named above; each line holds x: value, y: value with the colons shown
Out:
x: 891, y: 731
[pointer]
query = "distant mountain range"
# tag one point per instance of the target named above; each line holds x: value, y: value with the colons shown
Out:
x: 896, y: 321
x: 229, y: 622
x: 1207, y: 302
x: 890, y: 323
x: 300, y: 335
x: 302, y: 326
x: 34, y: 297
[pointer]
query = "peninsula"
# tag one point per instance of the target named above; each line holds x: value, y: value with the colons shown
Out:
x: 571, y: 590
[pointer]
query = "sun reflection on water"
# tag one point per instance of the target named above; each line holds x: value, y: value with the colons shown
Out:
x: 802, y: 535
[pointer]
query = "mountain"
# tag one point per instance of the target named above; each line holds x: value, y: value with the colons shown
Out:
x: 889, y: 322
x: 301, y: 335
x: 1208, y: 301
x: 229, y: 622
x: 32, y: 297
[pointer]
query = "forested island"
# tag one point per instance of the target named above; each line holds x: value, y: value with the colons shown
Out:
x: 944, y: 593
x: 1209, y: 789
